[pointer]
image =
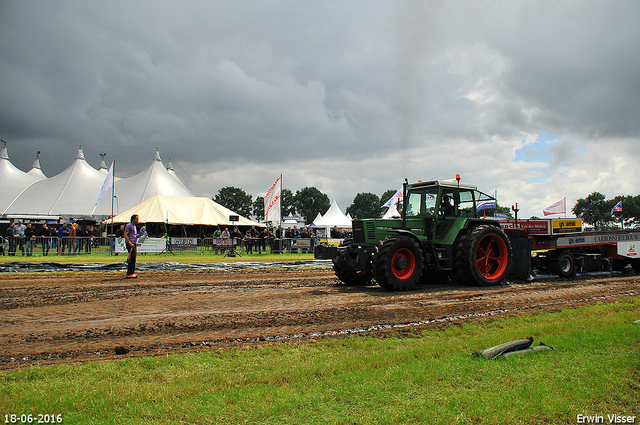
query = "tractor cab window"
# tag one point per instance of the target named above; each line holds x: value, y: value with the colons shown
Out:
x: 422, y: 202
x: 466, y: 207
x: 448, y: 202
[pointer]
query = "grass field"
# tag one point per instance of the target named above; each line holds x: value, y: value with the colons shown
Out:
x: 428, y: 377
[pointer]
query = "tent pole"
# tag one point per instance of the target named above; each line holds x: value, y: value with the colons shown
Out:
x: 113, y: 193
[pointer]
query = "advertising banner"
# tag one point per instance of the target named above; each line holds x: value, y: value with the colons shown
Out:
x: 535, y: 227
x: 301, y: 244
x: 567, y: 225
x: 628, y: 249
x: 184, y: 243
x: 225, y: 243
x: 149, y: 245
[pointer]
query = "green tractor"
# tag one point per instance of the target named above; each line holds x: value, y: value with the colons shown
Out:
x: 439, y: 235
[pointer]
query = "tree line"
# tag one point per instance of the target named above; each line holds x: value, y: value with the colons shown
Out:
x: 597, y: 211
x: 307, y: 202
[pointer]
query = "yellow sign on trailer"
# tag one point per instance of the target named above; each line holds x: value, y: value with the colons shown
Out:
x: 566, y: 225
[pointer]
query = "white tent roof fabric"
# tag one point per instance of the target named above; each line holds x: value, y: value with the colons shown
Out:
x: 183, y: 210
x: 173, y: 174
x: 73, y: 191
x: 36, y: 170
x: 154, y: 180
x: 333, y: 217
x: 12, y: 180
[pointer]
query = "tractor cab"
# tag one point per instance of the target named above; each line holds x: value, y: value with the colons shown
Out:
x: 445, y: 206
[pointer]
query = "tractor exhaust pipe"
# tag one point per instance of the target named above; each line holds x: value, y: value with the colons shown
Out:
x: 404, y: 203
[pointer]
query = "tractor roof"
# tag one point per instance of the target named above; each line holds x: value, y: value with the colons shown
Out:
x: 443, y: 183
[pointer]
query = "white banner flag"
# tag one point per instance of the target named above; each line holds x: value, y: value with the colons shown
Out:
x: 555, y: 208
x: 397, y: 197
x: 108, y: 181
x: 272, y: 202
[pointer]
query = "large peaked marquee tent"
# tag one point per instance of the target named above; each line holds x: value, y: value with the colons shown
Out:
x: 13, y: 181
x: 73, y: 191
x: 183, y: 210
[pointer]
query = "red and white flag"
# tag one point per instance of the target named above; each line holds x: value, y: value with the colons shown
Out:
x: 557, y: 207
x: 272, y: 202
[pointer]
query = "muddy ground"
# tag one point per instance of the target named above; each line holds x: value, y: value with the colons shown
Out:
x: 79, y: 316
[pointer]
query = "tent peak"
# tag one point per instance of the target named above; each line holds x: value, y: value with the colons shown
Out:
x: 157, y: 157
x: 3, y: 153
x: 80, y: 154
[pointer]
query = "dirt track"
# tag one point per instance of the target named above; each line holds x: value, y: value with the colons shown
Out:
x: 59, y: 317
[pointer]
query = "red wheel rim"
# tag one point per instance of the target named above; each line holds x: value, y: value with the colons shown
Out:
x: 403, y: 263
x: 492, y: 257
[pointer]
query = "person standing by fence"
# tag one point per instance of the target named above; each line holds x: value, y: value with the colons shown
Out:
x: 11, y: 240
x: 30, y: 237
x: 44, y: 234
x: 131, y: 237
x: 18, y: 235
x: 63, y: 235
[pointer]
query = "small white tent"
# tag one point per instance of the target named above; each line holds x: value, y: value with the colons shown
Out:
x: 392, y: 212
x: 333, y: 217
x: 183, y: 210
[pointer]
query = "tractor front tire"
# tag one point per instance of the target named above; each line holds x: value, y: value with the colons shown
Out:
x: 346, y: 274
x: 350, y: 277
x: 398, y: 264
x: 482, y: 256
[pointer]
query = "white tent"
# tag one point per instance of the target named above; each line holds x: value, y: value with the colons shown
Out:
x: 183, y: 210
x: 72, y: 192
x: 173, y: 174
x: 36, y: 170
x: 103, y: 166
x: 392, y: 212
x: 12, y: 180
x: 154, y: 180
x: 333, y: 217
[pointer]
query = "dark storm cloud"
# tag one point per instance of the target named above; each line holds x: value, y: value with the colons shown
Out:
x: 347, y: 96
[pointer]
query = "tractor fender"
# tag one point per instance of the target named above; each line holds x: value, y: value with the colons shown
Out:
x: 475, y: 222
x: 405, y: 232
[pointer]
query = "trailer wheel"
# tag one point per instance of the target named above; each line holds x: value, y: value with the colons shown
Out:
x: 563, y: 264
x: 482, y: 256
x: 636, y: 265
x: 398, y: 263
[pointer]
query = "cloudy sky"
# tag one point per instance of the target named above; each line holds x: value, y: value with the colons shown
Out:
x: 538, y: 100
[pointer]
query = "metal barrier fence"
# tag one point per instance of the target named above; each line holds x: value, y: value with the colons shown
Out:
x: 51, y: 245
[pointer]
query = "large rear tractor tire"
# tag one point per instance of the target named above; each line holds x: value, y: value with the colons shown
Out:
x: 398, y: 264
x: 482, y: 256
